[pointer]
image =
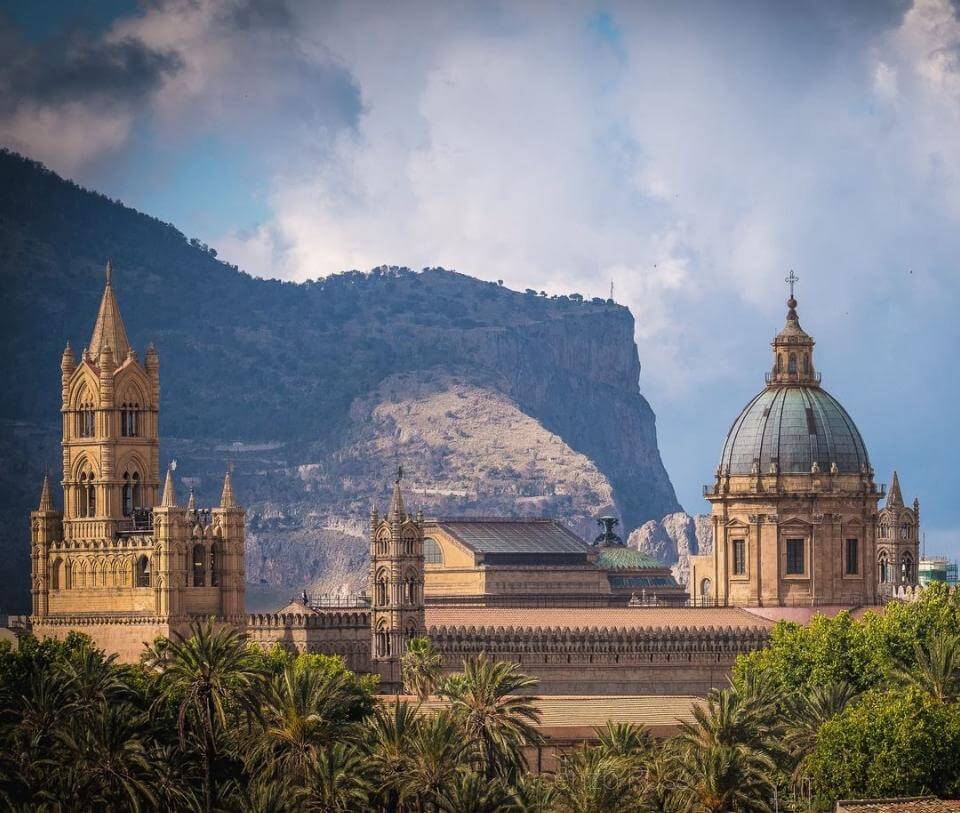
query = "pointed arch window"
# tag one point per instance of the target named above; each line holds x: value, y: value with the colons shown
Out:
x: 907, y: 569
x: 143, y: 571
x: 86, y: 423
x: 381, y: 588
x: 130, y: 420
x: 131, y: 493
x: 56, y: 575
x: 792, y: 363
x: 199, y: 566
x: 806, y: 363
x: 215, y: 565
x: 87, y: 496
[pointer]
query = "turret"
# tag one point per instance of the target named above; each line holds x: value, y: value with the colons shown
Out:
x: 792, y: 349
x: 169, y: 499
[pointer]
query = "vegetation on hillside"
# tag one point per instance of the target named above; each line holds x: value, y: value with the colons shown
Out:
x: 837, y: 709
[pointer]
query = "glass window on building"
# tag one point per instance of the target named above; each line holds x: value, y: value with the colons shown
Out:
x: 794, y: 557
x: 853, y: 564
x: 739, y: 557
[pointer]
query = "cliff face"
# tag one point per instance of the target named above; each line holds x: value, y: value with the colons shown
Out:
x: 674, y: 539
x: 494, y: 401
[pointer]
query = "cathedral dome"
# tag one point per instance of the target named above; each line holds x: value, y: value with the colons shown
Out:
x: 793, y: 427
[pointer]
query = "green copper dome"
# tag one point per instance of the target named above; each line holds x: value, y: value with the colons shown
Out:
x: 623, y: 558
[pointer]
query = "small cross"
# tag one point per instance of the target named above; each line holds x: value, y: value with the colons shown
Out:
x: 793, y: 278
x: 399, y: 473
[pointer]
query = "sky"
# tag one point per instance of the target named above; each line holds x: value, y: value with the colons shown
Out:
x: 690, y: 153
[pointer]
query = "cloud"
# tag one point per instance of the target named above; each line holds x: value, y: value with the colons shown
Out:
x: 70, y: 100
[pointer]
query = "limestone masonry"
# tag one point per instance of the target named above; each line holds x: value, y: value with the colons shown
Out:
x: 795, y: 523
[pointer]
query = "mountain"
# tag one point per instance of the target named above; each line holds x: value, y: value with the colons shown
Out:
x: 495, y: 401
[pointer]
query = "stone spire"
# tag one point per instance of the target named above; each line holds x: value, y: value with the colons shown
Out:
x: 397, y: 512
x: 46, y: 501
x: 226, y: 496
x: 793, y: 349
x: 895, y: 498
x: 192, y: 502
x: 169, y: 499
x: 108, y: 330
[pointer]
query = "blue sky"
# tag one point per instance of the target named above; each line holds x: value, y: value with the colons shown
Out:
x: 692, y: 153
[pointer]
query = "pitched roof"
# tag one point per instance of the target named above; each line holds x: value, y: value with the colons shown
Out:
x: 904, y: 804
x: 599, y: 617
x: 589, y: 711
x: 108, y: 330
x: 507, y: 535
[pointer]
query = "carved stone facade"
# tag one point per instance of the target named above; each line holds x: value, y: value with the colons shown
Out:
x: 120, y: 562
x: 794, y: 502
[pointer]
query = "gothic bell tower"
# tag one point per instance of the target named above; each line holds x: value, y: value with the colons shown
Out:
x: 396, y: 581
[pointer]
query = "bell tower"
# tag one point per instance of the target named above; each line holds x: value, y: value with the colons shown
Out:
x: 396, y: 580
x: 110, y: 407
x: 121, y: 563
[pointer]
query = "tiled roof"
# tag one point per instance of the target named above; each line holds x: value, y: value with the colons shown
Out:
x: 610, y: 617
x: 590, y: 711
x: 514, y: 535
x: 905, y: 804
x: 623, y: 558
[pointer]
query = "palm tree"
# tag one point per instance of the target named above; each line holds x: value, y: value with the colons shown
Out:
x: 533, y: 794
x: 495, y: 717
x: 805, y: 713
x: 338, y: 781
x: 591, y: 779
x: 435, y: 752
x: 625, y: 740
x: 204, y: 675
x: 471, y: 792
x: 302, y: 711
x: 387, y: 738
x: 730, y: 718
x: 106, y: 762
x: 95, y: 676
x: 723, y: 778
x: 422, y: 668
x: 937, y: 667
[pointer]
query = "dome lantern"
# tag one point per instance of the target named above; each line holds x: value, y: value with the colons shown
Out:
x: 793, y: 349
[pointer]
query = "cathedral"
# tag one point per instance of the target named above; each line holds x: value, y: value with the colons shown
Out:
x: 795, y: 508
x: 797, y: 523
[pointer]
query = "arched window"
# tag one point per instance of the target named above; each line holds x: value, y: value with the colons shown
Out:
x: 127, y: 495
x: 907, y: 569
x: 143, y: 571
x: 199, y: 566
x: 705, y: 591
x: 792, y: 363
x: 409, y: 543
x: 214, y: 565
x: 56, y: 574
x: 904, y: 531
x: 381, y: 588
x: 380, y: 547
x: 85, y: 419
x: 432, y: 552
x: 87, y: 496
x: 806, y: 363
x: 779, y: 363
x: 130, y: 420
x: 383, y: 640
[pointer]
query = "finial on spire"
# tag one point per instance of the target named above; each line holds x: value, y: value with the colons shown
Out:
x: 46, y: 501
x: 397, y: 512
x: 191, y: 502
x: 399, y: 473
x: 895, y: 497
x: 791, y: 280
x: 109, y: 272
x: 169, y: 499
x: 226, y: 496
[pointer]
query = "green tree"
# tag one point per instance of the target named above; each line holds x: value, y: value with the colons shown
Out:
x: 497, y: 719
x: 388, y: 733
x: 935, y: 668
x: 806, y: 712
x: 591, y: 779
x: 471, y: 792
x: 338, y: 782
x: 895, y: 742
x: 204, y: 676
x: 435, y: 752
x: 724, y: 778
x: 422, y: 667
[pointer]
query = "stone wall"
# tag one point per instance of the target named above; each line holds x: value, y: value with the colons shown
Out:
x: 344, y: 632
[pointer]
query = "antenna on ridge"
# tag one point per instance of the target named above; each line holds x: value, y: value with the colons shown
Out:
x: 611, y: 290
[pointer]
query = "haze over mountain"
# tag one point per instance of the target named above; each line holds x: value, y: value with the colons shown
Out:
x: 495, y: 401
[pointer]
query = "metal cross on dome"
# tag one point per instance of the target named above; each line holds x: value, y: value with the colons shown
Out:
x: 791, y: 280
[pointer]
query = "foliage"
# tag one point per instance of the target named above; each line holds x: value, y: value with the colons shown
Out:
x: 422, y: 667
x: 210, y: 722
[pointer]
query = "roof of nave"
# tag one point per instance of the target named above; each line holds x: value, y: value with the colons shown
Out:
x: 597, y: 617
x: 591, y: 711
x: 510, y: 535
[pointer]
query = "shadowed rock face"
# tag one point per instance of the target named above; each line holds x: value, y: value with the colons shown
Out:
x: 494, y: 401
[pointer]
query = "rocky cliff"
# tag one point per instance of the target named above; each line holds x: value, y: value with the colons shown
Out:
x: 674, y: 539
x: 495, y: 401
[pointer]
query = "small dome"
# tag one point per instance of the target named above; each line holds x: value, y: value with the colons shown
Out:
x: 619, y: 557
x: 794, y: 427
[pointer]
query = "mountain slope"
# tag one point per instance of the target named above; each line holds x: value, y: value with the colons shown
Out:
x: 315, y: 390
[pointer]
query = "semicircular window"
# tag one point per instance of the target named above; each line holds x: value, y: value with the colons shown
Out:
x: 432, y: 553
